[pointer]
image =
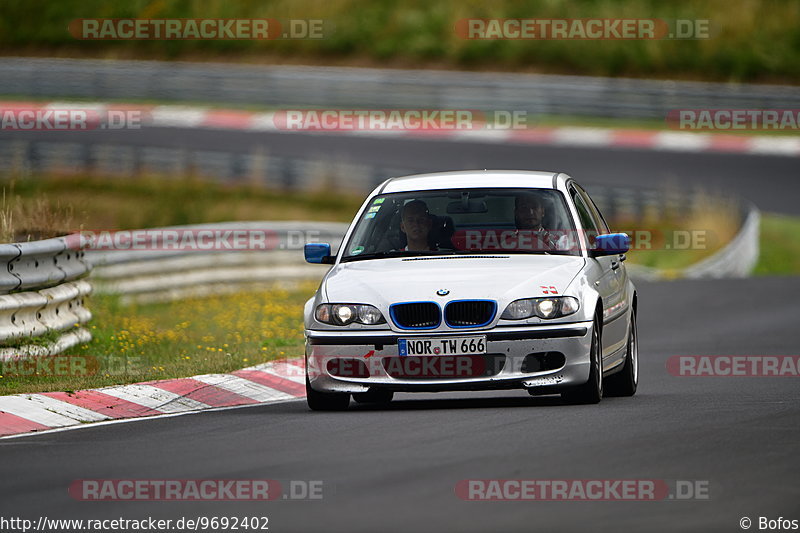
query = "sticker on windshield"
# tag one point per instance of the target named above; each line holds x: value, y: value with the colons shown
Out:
x: 378, y: 201
x: 374, y: 209
x: 369, y: 215
x: 357, y: 250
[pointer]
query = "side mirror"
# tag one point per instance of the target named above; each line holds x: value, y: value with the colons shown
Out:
x: 318, y: 253
x: 611, y: 244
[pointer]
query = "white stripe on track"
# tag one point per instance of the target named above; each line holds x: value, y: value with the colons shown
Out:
x: 154, y: 398
x: 681, y: 141
x: 774, y: 145
x: 47, y: 411
x: 244, y: 387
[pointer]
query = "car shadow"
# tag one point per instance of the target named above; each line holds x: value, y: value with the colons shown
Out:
x: 411, y: 404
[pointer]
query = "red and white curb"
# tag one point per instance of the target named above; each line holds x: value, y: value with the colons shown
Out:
x: 272, y: 382
x: 172, y: 116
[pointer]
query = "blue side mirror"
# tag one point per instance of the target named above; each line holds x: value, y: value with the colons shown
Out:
x: 318, y: 253
x: 611, y: 243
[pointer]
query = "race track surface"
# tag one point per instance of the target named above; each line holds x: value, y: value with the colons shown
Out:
x: 767, y: 180
x: 396, y: 469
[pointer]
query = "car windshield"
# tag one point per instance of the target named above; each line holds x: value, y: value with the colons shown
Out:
x: 463, y: 221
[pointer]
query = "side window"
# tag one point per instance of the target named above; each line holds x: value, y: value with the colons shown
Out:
x: 600, y: 222
x: 584, y: 214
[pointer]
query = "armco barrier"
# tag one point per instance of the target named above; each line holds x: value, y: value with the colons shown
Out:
x: 47, y: 262
x: 280, y: 85
x: 738, y: 258
x: 42, y: 294
x: 161, y: 275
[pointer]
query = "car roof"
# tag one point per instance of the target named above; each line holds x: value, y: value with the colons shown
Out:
x: 466, y: 179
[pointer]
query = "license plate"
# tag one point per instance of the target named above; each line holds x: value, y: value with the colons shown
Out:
x: 442, y: 346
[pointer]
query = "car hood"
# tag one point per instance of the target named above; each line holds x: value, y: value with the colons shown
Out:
x: 382, y: 282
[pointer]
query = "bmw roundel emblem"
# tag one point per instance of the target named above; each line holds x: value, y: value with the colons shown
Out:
x: 442, y: 292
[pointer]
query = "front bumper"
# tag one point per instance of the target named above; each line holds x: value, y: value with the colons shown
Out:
x: 329, y: 355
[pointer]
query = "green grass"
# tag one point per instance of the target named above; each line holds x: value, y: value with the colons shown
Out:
x: 780, y: 245
x: 753, y: 40
x: 139, y: 343
x: 100, y: 203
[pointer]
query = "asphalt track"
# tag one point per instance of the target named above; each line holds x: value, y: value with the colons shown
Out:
x: 396, y: 469
x: 770, y: 181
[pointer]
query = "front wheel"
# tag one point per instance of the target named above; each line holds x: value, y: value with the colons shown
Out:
x: 326, y: 401
x: 624, y: 382
x: 591, y: 391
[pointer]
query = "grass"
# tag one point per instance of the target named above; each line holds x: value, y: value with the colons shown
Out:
x: 33, y: 218
x: 103, y: 203
x: 132, y: 344
x: 780, y: 245
x: 675, y: 240
x: 754, y: 41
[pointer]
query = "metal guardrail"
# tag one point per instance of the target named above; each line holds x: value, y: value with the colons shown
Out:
x: 738, y: 258
x: 257, y: 167
x: 378, y: 88
x: 40, y: 293
x: 48, y: 262
x: 145, y: 276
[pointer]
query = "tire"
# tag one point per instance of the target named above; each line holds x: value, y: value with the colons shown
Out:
x: 592, y: 391
x: 326, y: 401
x: 624, y: 382
x: 377, y: 396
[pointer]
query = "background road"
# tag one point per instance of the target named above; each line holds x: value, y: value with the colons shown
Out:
x: 768, y: 181
x: 395, y: 469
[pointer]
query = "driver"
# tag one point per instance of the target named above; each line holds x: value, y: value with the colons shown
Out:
x: 416, y: 222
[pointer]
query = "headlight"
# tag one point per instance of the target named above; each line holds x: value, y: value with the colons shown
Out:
x: 344, y: 314
x: 541, y: 307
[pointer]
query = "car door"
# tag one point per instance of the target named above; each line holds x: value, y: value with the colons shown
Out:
x: 608, y: 284
x: 622, y: 272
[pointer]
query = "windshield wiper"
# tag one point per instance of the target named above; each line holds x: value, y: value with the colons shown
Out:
x: 394, y: 253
